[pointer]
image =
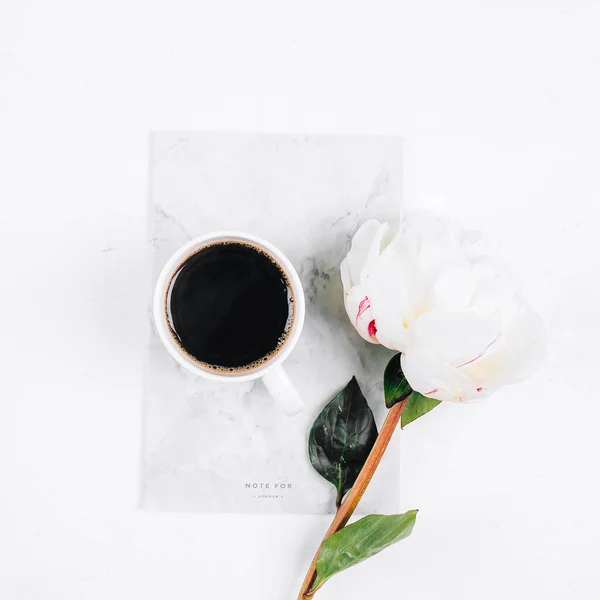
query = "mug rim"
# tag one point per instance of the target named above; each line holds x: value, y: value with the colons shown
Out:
x: 159, y: 305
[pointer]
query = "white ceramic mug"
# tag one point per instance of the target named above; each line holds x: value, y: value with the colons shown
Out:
x: 272, y: 373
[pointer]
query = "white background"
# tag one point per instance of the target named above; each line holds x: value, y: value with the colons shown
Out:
x: 498, y: 101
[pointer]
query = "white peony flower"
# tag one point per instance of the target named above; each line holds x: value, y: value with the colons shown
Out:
x: 433, y: 292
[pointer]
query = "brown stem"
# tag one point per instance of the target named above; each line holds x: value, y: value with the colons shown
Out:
x: 357, y: 490
x: 338, y: 499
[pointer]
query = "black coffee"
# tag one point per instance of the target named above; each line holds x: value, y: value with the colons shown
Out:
x: 231, y: 306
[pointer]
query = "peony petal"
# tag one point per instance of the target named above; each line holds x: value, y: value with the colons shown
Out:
x: 345, y: 273
x: 454, y: 338
x: 436, y: 379
x: 388, y: 284
x: 365, y: 241
x: 496, y: 290
x: 518, y: 353
x: 454, y: 288
x: 358, y: 307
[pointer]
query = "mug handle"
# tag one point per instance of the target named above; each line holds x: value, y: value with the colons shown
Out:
x: 280, y: 386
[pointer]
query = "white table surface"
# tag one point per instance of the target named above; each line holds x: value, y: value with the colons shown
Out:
x: 499, y: 103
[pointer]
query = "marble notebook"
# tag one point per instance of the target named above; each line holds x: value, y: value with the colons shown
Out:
x: 212, y: 447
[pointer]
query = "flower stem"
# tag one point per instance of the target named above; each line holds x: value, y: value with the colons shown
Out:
x: 356, y: 492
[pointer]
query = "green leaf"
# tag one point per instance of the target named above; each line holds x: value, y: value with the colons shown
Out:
x: 395, y: 386
x: 342, y: 437
x: 416, y: 406
x: 359, y: 541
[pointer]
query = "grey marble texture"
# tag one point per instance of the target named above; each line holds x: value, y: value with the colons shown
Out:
x: 214, y: 447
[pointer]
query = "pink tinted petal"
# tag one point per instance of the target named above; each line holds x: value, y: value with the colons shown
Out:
x: 480, y: 355
x: 388, y: 286
x: 454, y: 338
x: 363, y: 305
x: 360, y: 313
x: 436, y: 379
x: 372, y: 329
x: 516, y: 354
